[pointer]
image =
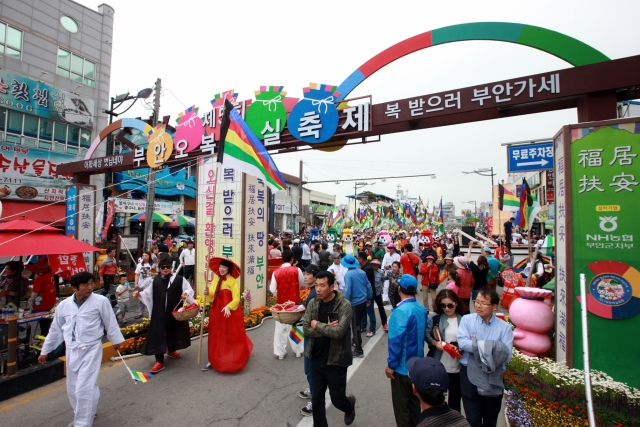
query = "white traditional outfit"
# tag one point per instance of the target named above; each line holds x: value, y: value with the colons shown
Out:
x: 81, y: 326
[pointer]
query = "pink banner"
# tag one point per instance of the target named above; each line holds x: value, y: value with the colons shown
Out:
x: 111, y: 211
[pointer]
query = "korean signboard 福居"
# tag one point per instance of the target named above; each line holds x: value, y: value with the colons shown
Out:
x: 597, y: 179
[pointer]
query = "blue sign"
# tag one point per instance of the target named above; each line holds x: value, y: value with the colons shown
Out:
x: 314, y: 119
x: 167, y: 184
x: 33, y: 97
x: 72, y: 208
x: 530, y: 157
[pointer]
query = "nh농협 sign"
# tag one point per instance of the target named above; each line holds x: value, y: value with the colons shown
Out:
x: 530, y: 157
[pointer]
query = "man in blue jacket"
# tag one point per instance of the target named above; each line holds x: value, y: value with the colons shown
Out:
x: 406, y: 340
x: 358, y: 292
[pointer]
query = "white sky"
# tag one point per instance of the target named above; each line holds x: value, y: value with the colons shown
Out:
x: 200, y: 48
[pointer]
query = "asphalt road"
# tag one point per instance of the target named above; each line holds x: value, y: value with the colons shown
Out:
x: 263, y: 394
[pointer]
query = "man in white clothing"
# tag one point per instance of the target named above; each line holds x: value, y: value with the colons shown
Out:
x: 306, y: 253
x: 338, y: 271
x: 80, y: 321
x: 188, y: 261
x: 389, y: 258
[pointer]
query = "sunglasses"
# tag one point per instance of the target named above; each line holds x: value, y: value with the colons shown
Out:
x: 164, y: 267
x: 449, y: 305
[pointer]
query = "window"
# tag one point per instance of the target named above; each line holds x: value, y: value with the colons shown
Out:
x: 85, y: 138
x: 73, y: 134
x: 76, y: 68
x: 69, y: 24
x: 14, y: 124
x: 3, y: 117
x: 60, y: 132
x: 46, y: 129
x: 30, y: 126
x: 10, y: 41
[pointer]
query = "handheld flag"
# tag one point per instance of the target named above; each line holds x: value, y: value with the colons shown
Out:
x: 241, y: 149
x: 507, y: 200
x: 526, y: 202
x: 136, y: 375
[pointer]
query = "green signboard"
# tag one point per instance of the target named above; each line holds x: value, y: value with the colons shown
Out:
x: 599, y: 177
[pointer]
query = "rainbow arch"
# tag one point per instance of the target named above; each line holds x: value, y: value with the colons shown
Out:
x: 560, y: 45
x: 122, y: 123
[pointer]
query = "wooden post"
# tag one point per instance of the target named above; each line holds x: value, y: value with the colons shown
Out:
x: 12, y: 347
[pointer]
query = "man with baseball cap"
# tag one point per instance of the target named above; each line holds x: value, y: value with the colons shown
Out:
x: 406, y: 335
x: 429, y: 382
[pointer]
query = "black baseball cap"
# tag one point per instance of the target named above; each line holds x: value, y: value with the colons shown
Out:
x: 312, y: 269
x: 427, y: 372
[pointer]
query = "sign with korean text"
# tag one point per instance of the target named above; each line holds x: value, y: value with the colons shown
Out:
x: 228, y: 215
x: 167, y: 183
x: 205, y: 224
x: 67, y: 265
x: 31, y: 174
x: 71, y: 208
x: 600, y: 188
x: 140, y: 206
x: 32, y: 97
x: 86, y: 219
x: 254, y: 239
x: 128, y: 242
x: 561, y: 253
x: 530, y: 157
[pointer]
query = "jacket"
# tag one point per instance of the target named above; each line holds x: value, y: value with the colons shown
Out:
x: 406, y: 334
x: 340, y: 353
x: 357, y: 287
x: 485, y: 367
x: 429, y: 275
x: 429, y: 336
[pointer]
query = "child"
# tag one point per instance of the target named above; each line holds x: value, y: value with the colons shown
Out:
x: 122, y: 293
x: 393, y: 277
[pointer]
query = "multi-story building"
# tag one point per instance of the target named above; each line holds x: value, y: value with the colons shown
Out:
x: 55, y: 66
x: 449, y: 213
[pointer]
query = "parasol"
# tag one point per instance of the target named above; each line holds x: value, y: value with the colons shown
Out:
x: 24, y: 225
x: 157, y: 217
x: 20, y: 244
x: 182, y: 220
x: 214, y: 264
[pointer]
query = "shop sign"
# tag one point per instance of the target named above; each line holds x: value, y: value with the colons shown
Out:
x: 285, y: 207
x: 71, y: 227
x: 167, y: 184
x: 32, y: 97
x: 550, y: 180
x: 543, y: 214
x: 551, y: 196
x: 254, y: 264
x: 562, y: 316
x: 139, y: 206
x: 530, y: 157
x: 31, y: 174
x: 205, y: 226
x: 85, y: 219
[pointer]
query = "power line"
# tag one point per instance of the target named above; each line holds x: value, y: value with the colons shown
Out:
x: 368, y: 179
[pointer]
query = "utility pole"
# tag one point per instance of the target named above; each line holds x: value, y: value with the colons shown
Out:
x: 300, y: 196
x: 151, y: 183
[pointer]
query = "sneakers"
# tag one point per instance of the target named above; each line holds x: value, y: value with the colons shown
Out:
x: 370, y: 334
x: 207, y: 367
x: 174, y: 355
x: 348, y: 418
x: 298, y: 355
x: 282, y: 357
x: 307, y: 411
x: 157, y: 367
x: 306, y: 394
x: 385, y: 327
x: 359, y: 355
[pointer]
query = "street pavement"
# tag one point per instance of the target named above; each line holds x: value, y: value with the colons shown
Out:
x: 263, y: 394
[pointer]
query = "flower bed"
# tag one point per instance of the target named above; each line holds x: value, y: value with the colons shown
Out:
x: 540, y: 392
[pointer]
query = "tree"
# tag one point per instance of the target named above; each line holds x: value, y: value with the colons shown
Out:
x: 367, y: 198
x: 471, y: 221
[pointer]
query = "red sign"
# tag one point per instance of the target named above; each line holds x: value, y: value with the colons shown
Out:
x: 111, y: 211
x: 490, y: 225
x: 67, y: 265
x: 551, y: 197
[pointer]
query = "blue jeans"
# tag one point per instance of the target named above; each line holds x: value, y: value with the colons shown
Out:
x: 372, y: 318
x: 307, y: 365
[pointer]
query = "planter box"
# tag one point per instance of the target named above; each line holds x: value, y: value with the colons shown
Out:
x: 30, y: 379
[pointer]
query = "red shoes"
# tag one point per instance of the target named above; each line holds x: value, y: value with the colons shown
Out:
x: 157, y: 367
x: 174, y: 355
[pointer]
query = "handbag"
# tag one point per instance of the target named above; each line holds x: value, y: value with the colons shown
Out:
x: 433, y: 285
x: 439, y: 261
x: 416, y: 269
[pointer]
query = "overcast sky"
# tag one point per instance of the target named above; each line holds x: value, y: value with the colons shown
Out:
x: 202, y: 48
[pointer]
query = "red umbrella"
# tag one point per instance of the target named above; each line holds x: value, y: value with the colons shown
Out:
x: 19, y: 244
x: 214, y: 264
x: 24, y: 225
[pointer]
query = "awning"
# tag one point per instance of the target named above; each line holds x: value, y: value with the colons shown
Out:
x: 55, y: 214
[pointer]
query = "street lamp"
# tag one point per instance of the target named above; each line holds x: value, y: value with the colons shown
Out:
x: 484, y: 172
x: 357, y: 185
x: 116, y: 102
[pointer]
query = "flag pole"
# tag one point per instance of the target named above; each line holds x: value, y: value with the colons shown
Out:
x: 224, y: 127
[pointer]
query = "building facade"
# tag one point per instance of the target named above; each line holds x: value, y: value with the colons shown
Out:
x: 55, y: 67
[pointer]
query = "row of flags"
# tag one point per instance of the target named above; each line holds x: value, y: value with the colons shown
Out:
x: 526, y: 206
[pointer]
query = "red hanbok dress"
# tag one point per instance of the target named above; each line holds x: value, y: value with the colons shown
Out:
x: 229, y: 345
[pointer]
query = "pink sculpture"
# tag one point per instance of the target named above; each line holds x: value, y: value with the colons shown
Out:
x: 384, y: 236
x: 533, y: 319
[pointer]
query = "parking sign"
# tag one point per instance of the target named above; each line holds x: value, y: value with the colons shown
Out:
x: 530, y: 157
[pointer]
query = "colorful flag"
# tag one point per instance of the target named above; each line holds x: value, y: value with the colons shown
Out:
x: 412, y: 214
x: 526, y: 202
x: 295, y: 334
x: 507, y: 200
x: 141, y: 376
x: 241, y: 149
x: 398, y: 220
x: 549, y: 242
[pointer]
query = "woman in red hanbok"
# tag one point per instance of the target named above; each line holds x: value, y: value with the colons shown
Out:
x: 229, y: 345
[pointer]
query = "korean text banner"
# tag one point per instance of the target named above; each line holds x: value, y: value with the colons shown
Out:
x: 32, y: 97
x: 30, y: 174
